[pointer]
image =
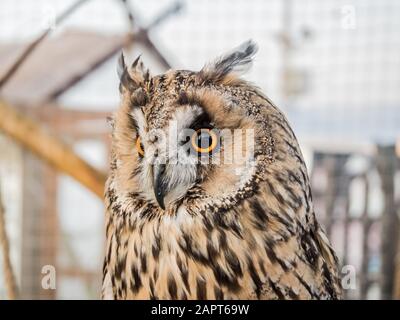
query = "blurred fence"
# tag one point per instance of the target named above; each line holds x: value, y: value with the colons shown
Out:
x: 354, y: 198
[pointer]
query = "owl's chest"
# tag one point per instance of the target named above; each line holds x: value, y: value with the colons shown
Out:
x: 176, y: 258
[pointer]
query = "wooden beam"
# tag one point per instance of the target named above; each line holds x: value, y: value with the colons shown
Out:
x: 50, y: 148
x: 95, y: 64
x: 31, y: 47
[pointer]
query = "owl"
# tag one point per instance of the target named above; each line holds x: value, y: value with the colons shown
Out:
x: 208, y: 195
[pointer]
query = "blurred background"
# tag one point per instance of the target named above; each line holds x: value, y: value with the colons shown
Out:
x: 332, y: 66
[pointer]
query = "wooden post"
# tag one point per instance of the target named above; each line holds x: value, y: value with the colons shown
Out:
x: 9, y: 277
x: 33, y: 207
x: 366, y: 225
x: 386, y: 165
x: 396, y: 294
x: 330, y: 194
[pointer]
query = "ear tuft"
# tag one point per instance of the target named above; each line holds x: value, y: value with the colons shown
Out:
x: 237, y: 61
x: 134, y: 78
x: 124, y: 77
x: 135, y: 63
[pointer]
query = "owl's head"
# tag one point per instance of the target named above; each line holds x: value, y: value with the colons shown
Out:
x: 185, y: 136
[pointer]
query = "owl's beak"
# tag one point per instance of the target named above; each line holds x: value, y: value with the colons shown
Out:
x: 159, y: 184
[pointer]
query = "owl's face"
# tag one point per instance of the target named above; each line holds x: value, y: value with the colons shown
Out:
x: 179, y: 132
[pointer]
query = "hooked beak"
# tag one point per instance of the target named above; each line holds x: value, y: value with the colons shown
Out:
x: 159, y: 184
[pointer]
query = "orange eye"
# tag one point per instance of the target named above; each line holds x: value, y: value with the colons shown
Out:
x: 139, y: 147
x: 204, y: 140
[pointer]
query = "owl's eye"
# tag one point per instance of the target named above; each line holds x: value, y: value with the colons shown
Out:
x: 139, y: 147
x: 204, y: 140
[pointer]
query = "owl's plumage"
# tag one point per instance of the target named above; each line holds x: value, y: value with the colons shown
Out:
x: 241, y: 229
